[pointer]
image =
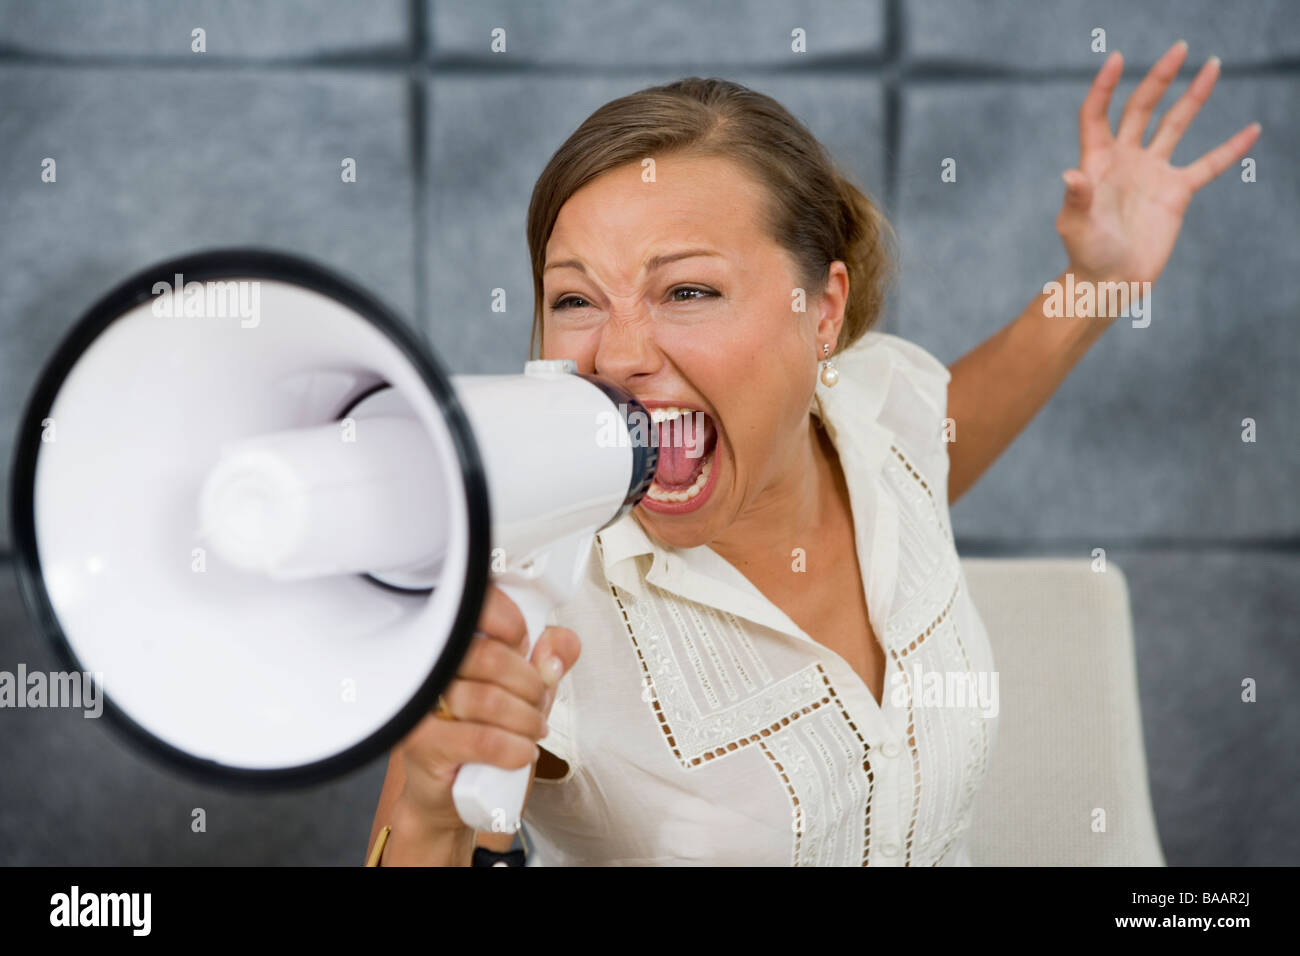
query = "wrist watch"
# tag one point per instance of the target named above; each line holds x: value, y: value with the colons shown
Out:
x: 482, y: 855
x: 485, y: 857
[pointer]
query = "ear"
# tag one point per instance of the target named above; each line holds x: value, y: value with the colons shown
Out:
x: 834, y: 299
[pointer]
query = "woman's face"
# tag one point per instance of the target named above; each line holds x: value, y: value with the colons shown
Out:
x: 671, y: 289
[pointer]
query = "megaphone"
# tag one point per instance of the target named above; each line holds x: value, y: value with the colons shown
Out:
x: 251, y: 502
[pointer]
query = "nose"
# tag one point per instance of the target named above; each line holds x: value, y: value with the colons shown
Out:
x: 626, y: 352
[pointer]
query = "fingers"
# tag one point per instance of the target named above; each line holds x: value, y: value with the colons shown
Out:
x: 499, y: 698
x: 491, y: 661
x: 1094, y: 128
x: 1137, y: 111
x: 1174, y: 123
x: 451, y: 743
x: 1078, y: 190
x: 501, y: 619
x: 1200, y: 172
x: 487, y: 703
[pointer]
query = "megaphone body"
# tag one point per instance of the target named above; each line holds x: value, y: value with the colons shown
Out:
x: 272, y: 535
x: 554, y: 480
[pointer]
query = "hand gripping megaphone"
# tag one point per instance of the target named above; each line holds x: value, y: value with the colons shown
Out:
x: 248, y: 500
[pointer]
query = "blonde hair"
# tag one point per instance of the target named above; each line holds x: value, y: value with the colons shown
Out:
x: 814, y: 210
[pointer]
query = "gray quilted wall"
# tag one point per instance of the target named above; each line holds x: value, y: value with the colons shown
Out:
x: 162, y: 151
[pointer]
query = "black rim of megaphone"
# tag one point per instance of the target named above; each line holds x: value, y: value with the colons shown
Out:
x: 269, y: 265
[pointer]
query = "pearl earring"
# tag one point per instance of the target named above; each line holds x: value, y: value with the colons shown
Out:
x: 830, y: 374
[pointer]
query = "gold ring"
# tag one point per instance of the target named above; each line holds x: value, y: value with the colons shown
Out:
x: 444, y: 712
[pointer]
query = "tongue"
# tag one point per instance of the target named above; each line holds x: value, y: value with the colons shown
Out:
x: 684, y: 443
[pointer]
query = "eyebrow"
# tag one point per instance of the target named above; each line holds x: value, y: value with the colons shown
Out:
x: 651, y: 264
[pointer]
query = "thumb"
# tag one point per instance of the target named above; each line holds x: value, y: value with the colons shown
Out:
x: 1078, y: 190
x: 556, y: 643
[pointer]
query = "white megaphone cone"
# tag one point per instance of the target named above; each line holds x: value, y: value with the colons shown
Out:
x: 251, y: 502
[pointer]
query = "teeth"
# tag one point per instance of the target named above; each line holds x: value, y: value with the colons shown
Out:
x: 668, y: 413
x: 686, y: 494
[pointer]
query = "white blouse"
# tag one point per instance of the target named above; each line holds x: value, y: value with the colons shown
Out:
x: 701, y: 726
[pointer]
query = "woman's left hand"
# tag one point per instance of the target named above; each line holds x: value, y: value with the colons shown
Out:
x: 1124, y: 203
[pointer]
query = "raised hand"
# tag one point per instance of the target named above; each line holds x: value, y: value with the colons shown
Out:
x: 1124, y: 203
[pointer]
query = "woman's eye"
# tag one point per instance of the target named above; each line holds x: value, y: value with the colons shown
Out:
x: 680, y: 294
x: 698, y: 294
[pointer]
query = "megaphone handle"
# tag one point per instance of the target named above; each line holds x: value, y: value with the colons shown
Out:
x: 492, y: 798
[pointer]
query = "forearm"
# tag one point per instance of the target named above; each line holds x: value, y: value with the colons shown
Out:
x: 1000, y: 385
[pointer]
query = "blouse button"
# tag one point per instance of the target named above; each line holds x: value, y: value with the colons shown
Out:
x: 889, y: 849
x: 889, y: 748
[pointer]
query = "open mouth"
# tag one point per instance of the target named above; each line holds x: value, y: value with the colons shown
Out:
x: 687, y: 439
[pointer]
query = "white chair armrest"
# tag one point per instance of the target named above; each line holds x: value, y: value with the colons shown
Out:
x: 1070, y: 730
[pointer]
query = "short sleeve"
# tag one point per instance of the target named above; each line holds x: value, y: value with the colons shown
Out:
x: 914, y: 407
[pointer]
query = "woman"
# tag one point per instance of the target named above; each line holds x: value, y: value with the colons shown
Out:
x: 763, y: 634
